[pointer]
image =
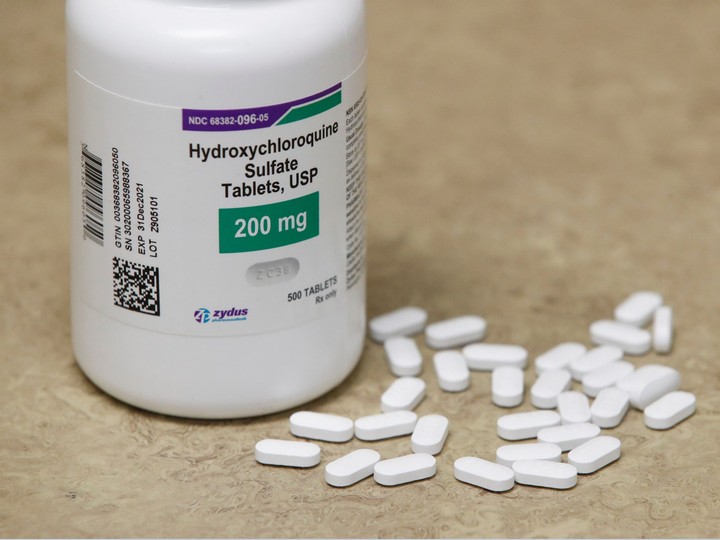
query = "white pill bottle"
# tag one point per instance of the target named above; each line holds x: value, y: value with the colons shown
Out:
x: 218, y: 189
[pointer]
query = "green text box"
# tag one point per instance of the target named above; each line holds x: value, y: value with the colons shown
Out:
x: 255, y: 228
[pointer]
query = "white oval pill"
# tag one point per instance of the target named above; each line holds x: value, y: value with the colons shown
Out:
x: 386, y: 425
x: 287, y: 453
x: 403, y: 355
x: 568, y: 436
x: 452, y: 371
x: 484, y: 474
x: 649, y: 383
x: 638, y: 308
x: 455, y: 332
x: 508, y: 385
x: 669, y: 410
x: 510, y: 453
x: 629, y: 338
x: 488, y: 356
x: 663, y: 330
x: 605, y: 377
x: 574, y: 407
x: 404, y: 469
x: 429, y: 434
x: 525, y: 425
x: 351, y: 468
x: 403, y: 395
x: 595, y: 454
x: 321, y: 426
x: 545, y: 474
x: 595, y: 359
x: 610, y: 407
x: 401, y: 322
x: 548, y: 386
x: 559, y: 357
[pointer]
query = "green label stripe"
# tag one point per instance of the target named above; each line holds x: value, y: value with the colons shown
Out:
x: 316, y: 107
x: 255, y: 228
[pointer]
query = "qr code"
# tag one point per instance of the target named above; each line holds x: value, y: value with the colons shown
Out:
x: 136, y: 286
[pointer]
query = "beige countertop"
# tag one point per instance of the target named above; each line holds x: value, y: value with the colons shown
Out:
x: 533, y: 162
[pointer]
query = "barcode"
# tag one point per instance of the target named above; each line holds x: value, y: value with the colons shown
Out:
x: 136, y: 286
x: 92, y: 194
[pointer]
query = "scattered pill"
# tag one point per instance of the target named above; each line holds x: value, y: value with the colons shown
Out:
x: 385, y: 425
x: 404, y: 469
x: 610, y: 407
x: 401, y: 322
x: 484, y: 474
x: 404, y: 394
x: 548, y: 474
x: 595, y: 454
x: 429, y: 434
x: 663, y: 330
x: 568, y: 436
x: 455, y: 332
x: 649, y: 383
x: 559, y: 357
x: 574, y: 407
x: 595, y: 359
x: 488, y: 356
x: 525, y: 425
x: 508, y: 384
x: 451, y: 371
x: 321, y: 426
x: 403, y: 355
x: 605, y: 377
x: 548, y: 386
x: 638, y: 308
x: 629, y: 338
x: 669, y: 410
x: 351, y: 468
x: 510, y: 453
x: 603, y: 373
x: 287, y: 453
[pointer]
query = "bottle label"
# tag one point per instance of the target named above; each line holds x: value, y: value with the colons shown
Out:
x: 215, y: 222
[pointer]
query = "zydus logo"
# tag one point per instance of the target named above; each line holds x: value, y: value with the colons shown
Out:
x: 203, y: 315
x: 231, y: 313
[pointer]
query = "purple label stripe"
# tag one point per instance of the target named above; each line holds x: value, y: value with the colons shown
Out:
x: 244, y: 119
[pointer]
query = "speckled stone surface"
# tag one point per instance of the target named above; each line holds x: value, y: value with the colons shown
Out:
x: 532, y: 162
